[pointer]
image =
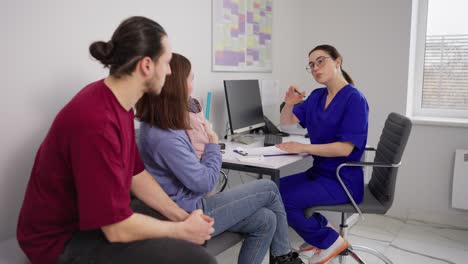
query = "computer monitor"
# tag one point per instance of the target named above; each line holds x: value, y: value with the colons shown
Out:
x: 244, y: 105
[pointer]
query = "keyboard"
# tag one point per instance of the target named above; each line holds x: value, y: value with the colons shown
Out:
x: 271, y: 140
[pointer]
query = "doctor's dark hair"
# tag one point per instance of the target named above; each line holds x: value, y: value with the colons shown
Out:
x: 135, y: 38
x: 333, y: 52
x: 169, y: 109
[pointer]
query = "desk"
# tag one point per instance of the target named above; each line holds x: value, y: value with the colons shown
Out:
x: 269, y: 165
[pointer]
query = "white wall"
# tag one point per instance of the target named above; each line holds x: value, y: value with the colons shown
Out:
x: 45, y: 44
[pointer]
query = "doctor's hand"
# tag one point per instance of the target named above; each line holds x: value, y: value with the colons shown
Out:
x: 292, y: 147
x: 197, y: 228
x: 293, y: 96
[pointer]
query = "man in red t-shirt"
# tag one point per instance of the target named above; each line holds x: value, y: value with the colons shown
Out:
x: 77, y: 207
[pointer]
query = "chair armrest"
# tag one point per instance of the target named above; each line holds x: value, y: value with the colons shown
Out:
x: 224, y: 175
x: 370, y: 149
x: 370, y: 164
x: 360, y: 164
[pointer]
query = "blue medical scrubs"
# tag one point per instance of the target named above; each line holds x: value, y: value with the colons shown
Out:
x: 344, y: 120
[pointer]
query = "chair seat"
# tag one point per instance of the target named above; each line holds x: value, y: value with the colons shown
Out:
x: 223, y: 241
x: 369, y: 205
x: 10, y: 253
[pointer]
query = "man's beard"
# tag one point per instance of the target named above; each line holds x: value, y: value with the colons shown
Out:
x: 150, y: 86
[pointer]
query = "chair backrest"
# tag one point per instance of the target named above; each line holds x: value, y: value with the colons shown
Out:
x: 390, y: 149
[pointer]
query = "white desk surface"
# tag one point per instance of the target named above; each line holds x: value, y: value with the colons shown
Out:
x: 275, y: 162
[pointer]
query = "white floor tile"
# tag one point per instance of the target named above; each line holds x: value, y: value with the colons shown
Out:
x: 431, y: 241
x: 403, y: 257
x: 295, y: 239
x: 378, y: 245
x: 456, y: 234
x: 377, y: 227
x: 404, y: 242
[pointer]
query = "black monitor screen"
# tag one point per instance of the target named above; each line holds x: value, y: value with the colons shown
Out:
x: 244, y: 105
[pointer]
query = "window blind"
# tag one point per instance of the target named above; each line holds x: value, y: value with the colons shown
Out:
x: 445, y: 80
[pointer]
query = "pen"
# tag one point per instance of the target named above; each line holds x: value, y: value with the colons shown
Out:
x: 240, y: 152
x: 298, y: 92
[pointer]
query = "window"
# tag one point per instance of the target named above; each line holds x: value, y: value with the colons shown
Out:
x: 439, y: 61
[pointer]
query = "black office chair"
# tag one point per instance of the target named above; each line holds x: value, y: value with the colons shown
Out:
x: 379, y: 192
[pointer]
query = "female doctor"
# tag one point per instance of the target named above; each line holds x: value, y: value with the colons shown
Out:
x: 336, y: 118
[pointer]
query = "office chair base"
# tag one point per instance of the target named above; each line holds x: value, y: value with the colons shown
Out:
x: 373, y: 252
x: 351, y: 251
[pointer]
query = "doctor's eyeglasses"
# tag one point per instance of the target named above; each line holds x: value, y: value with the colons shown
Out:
x: 319, y: 62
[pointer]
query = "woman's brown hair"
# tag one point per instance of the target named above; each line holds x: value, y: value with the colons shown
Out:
x: 169, y: 109
x: 333, y: 52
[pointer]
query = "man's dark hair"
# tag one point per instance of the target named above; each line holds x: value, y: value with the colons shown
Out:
x: 135, y: 38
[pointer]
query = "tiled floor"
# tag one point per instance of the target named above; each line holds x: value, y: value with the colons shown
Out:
x: 403, y: 242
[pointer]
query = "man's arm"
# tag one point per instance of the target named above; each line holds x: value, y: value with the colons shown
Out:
x: 148, y: 190
x: 197, y: 228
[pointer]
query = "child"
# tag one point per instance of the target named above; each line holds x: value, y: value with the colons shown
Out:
x: 197, y: 134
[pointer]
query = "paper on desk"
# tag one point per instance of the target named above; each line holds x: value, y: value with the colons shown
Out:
x: 272, y: 150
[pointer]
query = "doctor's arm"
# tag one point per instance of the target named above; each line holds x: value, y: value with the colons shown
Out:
x: 293, y: 97
x: 287, y: 116
x: 335, y: 149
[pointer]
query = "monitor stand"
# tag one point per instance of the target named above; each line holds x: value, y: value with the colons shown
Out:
x: 244, y: 139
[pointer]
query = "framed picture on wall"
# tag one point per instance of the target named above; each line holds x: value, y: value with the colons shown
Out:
x: 242, y: 35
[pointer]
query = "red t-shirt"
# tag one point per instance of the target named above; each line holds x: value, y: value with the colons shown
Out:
x: 82, y: 174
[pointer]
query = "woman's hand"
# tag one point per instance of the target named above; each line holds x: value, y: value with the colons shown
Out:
x: 292, y: 147
x: 212, y: 137
x: 293, y: 96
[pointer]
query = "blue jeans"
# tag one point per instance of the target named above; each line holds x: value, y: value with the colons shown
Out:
x: 256, y: 210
